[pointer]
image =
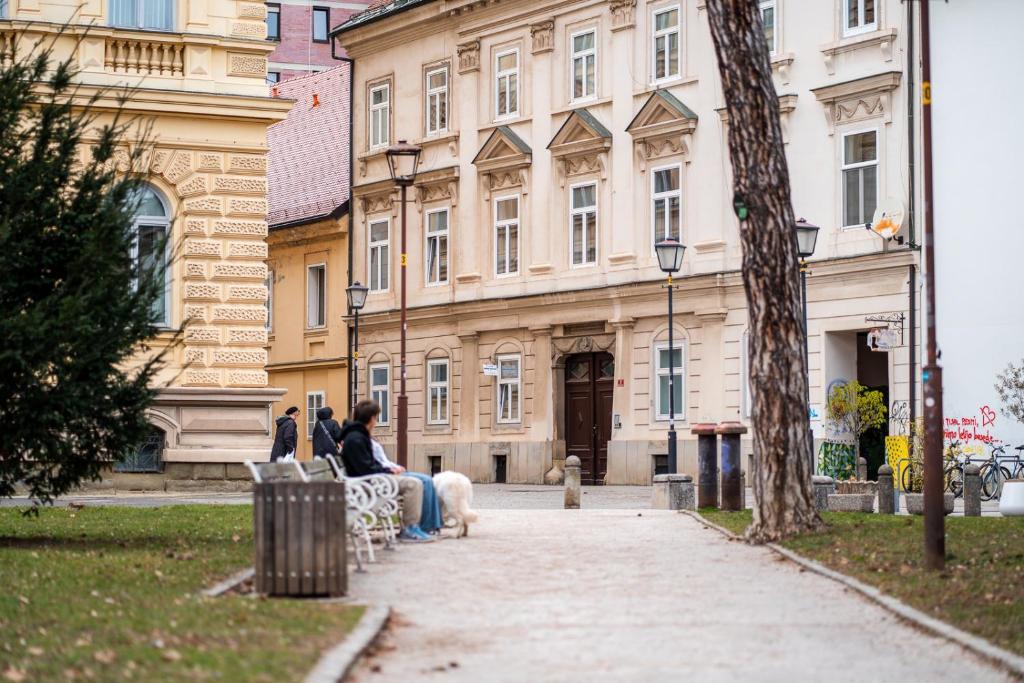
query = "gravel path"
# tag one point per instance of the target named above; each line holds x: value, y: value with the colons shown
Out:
x: 615, y: 595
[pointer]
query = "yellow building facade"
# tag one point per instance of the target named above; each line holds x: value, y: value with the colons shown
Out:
x: 197, y: 69
x: 309, y: 251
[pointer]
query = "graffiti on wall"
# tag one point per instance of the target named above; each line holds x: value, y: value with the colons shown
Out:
x: 974, y: 432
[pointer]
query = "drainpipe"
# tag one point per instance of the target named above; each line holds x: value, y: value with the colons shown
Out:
x: 353, y: 378
x: 912, y: 282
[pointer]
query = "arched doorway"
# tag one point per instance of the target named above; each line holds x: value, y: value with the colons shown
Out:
x: 589, y: 384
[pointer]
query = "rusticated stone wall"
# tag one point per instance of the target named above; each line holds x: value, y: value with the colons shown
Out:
x: 222, y: 210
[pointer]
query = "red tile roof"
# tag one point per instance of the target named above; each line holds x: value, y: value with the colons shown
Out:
x: 308, y: 157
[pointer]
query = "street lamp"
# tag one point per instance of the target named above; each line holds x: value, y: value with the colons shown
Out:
x: 670, y: 260
x: 403, y: 160
x: 806, y: 239
x: 356, y: 300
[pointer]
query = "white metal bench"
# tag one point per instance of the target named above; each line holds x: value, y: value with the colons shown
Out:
x: 388, y: 502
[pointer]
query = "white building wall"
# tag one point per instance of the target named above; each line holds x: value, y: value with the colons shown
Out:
x: 979, y: 228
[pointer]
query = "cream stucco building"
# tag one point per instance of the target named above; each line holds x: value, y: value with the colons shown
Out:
x: 560, y: 141
x: 199, y: 69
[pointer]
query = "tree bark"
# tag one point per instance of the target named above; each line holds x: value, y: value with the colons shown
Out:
x: 783, y: 493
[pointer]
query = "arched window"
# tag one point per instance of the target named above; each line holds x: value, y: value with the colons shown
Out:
x: 152, y: 227
x: 147, y: 456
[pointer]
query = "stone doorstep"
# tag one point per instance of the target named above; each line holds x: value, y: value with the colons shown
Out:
x: 851, y: 502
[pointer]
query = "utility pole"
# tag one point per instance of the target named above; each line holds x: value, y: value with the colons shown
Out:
x: 934, y: 520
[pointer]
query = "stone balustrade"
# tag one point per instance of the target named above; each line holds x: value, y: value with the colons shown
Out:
x: 148, y: 57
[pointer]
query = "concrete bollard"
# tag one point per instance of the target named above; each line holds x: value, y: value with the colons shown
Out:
x: 972, y: 491
x: 732, y: 493
x: 572, y: 483
x: 673, y: 492
x: 707, y: 465
x: 862, y: 469
x: 886, y: 496
x: 823, y: 486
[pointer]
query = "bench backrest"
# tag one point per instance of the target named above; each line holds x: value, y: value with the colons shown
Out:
x: 269, y: 472
x: 319, y: 470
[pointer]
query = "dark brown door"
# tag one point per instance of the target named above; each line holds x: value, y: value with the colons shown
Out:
x: 589, y: 383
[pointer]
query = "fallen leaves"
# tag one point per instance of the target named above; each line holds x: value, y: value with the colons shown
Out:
x: 105, y: 656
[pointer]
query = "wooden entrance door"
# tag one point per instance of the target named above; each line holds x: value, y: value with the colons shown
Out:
x: 589, y: 383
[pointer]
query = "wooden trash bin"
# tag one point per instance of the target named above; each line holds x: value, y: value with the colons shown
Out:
x: 300, y: 531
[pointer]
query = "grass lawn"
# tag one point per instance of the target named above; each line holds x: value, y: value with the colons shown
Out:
x: 111, y: 594
x: 981, y: 591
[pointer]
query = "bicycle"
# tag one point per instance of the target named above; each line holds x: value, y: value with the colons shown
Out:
x: 993, y: 474
x: 952, y: 473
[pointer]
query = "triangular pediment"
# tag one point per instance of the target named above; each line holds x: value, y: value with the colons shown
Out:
x: 502, y: 146
x: 662, y: 112
x: 581, y: 128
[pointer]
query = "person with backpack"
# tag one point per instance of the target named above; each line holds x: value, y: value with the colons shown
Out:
x: 287, y: 437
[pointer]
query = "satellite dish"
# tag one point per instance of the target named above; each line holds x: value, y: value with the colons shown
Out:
x: 888, y: 218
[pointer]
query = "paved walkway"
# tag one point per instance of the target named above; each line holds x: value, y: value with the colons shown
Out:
x: 637, y: 595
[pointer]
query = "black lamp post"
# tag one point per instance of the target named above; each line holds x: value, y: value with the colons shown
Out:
x: 670, y: 260
x: 403, y: 160
x: 806, y: 238
x: 356, y: 300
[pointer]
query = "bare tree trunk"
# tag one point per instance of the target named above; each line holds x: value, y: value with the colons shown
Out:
x: 783, y: 494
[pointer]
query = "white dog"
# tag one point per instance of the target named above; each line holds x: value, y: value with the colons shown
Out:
x: 455, y: 492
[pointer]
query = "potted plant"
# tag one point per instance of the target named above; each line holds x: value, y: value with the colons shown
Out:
x: 853, y: 409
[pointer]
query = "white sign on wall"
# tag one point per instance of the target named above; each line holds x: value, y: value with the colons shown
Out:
x: 490, y: 370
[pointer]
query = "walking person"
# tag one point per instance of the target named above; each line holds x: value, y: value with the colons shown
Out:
x: 287, y: 437
x: 357, y: 455
x: 326, y: 433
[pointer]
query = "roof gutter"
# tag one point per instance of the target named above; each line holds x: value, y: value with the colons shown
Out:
x: 353, y: 371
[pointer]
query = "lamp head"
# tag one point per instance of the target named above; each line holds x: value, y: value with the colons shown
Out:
x: 357, y: 295
x: 670, y: 255
x: 403, y: 159
x: 806, y: 238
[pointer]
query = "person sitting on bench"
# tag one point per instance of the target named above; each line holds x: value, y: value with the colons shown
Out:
x: 357, y: 456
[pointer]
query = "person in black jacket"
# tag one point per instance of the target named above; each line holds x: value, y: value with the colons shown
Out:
x: 357, y: 455
x: 286, y: 439
x: 326, y: 433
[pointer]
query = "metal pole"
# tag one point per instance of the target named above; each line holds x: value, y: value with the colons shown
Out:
x: 355, y: 361
x: 403, y: 400
x: 934, y: 521
x: 807, y: 361
x: 911, y: 242
x: 672, y: 461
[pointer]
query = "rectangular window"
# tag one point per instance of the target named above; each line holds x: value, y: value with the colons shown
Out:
x: 768, y: 20
x: 270, y: 299
x: 506, y: 89
x: 509, y: 389
x: 506, y: 236
x: 273, y: 21
x: 668, y: 380
x: 3, y: 9
x: 273, y: 77
x: 321, y: 21
x: 583, y: 224
x: 316, y: 295
x: 665, y: 43
x: 437, y: 247
x: 437, y: 101
x: 858, y: 17
x: 380, y: 390
x: 748, y: 395
x: 667, y: 199
x: 860, y: 177
x: 437, y: 391
x: 151, y: 252
x: 157, y: 15
x: 584, y: 65
x: 380, y: 115
x: 314, y: 402
x: 380, y: 255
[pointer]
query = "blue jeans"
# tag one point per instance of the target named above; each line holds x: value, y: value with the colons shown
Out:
x: 431, y: 517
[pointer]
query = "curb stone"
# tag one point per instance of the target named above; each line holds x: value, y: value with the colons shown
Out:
x: 227, y: 584
x: 335, y: 664
x: 1004, y: 659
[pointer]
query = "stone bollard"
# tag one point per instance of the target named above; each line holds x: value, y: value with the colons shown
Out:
x: 862, y: 469
x: 823, y: 486
x: 707, y: 465
x: 886, y: 496
x: 572, y: 483
x: 972, y: 491
x: 732, y: 493
x: 673, y: 492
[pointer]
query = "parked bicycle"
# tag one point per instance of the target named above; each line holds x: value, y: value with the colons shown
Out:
x: 994, y: 471
x: 954, y: 463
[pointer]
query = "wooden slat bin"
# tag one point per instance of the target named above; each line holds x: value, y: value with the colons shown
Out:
x: 300, y: 538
